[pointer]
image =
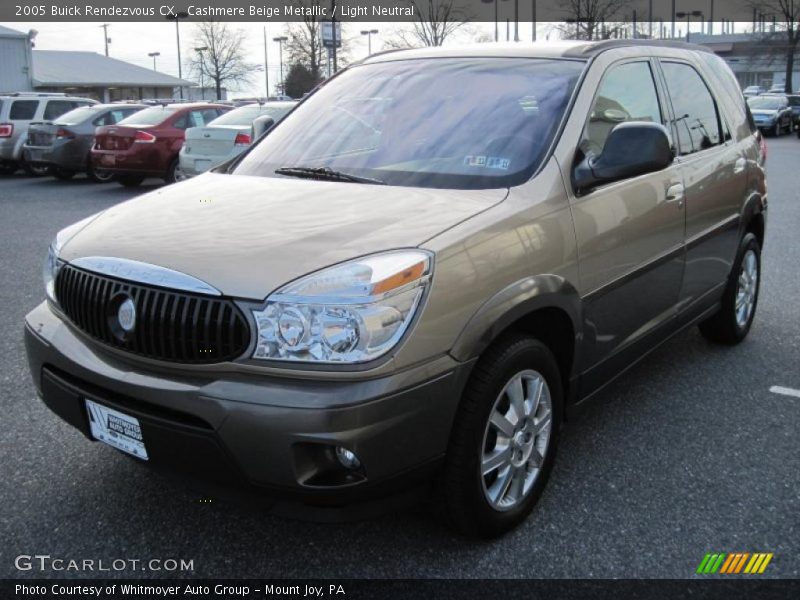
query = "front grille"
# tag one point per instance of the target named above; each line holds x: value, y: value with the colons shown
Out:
x: 171, y: 326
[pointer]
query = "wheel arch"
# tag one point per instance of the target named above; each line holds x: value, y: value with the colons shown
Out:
x: 546, y: 306
x: 753, y: 218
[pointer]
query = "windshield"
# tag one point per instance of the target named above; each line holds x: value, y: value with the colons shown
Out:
x: 245, y: 115
x: 466, y: 123
x: 78, y: 115
x: 767, y: 103
x: 149, y: 116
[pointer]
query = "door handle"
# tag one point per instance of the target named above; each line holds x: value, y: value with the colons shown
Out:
x: 675, y: 193
x: 739, y: 165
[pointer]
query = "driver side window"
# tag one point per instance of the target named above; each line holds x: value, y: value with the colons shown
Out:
x: 627, y: 93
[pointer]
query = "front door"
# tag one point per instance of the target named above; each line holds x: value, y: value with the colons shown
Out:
x: 630, y: 233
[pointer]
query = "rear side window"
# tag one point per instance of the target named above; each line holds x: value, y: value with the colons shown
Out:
x: 627, y: 93
x: 23, y: 110
x: 696, y: 118
x: 56, y: 108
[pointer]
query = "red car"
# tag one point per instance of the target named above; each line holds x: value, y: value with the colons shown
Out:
x: 147, y: 143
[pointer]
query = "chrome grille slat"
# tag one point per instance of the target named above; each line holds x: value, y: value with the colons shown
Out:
x: 171, y: 325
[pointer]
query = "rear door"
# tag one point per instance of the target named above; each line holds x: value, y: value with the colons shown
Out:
x: 714, y: 172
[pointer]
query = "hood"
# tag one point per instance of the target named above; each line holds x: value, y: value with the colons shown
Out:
x: 247, y: 236
x: 764, y: 112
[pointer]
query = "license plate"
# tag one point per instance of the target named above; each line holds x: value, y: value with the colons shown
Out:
x: 108, y: 160
x: 116, y: 429
x: 202, y: 165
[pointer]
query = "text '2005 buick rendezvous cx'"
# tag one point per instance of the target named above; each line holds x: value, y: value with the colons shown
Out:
x: 413, y: 279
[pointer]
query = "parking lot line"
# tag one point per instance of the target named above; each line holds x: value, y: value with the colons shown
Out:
x: 777, y: 389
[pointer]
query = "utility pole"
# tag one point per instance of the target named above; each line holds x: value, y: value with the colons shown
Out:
x: 516, y: 20
x: 266, y: 67
x: 673, y: 19
x: 533, y: 32
x: 177, y: 17
x: 650, y: 19
x: 333, y: 35
x: 105, y: 35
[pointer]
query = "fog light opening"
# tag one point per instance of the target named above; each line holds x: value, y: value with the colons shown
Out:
x: 347, y: 458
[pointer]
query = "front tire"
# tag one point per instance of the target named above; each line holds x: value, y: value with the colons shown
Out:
x: 732, y: 322
x: 504, y: 438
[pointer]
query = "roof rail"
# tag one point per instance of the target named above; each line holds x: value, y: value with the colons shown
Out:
x: 594, y: 48
x: 37, y: 94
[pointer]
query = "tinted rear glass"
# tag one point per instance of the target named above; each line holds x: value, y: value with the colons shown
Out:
x: 467, y: 123
x: 23, y: 110
x: 149, y: 116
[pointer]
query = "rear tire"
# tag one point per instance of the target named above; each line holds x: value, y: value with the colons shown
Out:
x: 98, y: 175
x: 175, y: 173
x: 130, y: 181
x: 62, y: 174
x: 732, y: 322
x: 498, y: 461
x: 33, y: 170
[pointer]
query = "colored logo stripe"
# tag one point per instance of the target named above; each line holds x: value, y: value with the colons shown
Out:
x: 734, y: 562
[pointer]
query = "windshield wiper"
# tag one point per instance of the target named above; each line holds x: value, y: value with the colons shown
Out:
x: 326, y: 173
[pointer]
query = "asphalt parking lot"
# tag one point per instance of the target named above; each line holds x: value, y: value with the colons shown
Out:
x: 688, y: 453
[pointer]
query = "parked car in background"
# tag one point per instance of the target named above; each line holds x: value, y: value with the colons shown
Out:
x: 794, y: 104
x: 64, y: 145
x: 771, y: 114
x: 17, y: 112
x: 778, y: 88
x: 147, y: 143
x: 225, y: 137
x: 754, y: 90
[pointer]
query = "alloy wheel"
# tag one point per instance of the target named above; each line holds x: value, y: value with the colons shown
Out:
x: 747, y: 288
x: 516, y: 439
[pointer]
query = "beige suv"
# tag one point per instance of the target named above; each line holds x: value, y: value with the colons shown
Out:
x: 412, y: 280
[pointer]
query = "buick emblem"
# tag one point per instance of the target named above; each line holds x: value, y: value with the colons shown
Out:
x: 126, y: 315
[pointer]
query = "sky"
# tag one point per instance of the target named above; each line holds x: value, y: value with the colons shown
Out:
x: 132, y: 42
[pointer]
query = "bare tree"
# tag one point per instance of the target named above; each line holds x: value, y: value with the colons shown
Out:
x: 785, y: 39
x: 305, y: 46
x: 592, y: 19
x: 224, y: 60
x: 434, y: 21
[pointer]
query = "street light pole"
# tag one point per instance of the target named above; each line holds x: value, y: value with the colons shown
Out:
x: 516, y: 20
x: 202, y: 67
x: 369, y: 33
x: 280, y: 40
x: 533, y: 21
x: 266, y: 67
x: 689, y: 15
x: 153, y: 56
x: 177, y: 17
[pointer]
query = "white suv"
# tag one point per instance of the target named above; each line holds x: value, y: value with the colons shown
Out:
x: 17, y: 112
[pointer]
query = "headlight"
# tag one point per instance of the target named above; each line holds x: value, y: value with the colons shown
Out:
x: 349, y: 313
x: 52, y: 264
x: 50, y: 270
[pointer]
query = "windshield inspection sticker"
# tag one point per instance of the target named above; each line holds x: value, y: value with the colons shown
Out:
x: 487, y: 162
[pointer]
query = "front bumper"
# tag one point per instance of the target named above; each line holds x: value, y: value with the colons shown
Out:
x: 270, y: 434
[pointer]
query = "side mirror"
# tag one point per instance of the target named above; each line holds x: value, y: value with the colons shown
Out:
x: 632, y: 148
x: 261, y: 126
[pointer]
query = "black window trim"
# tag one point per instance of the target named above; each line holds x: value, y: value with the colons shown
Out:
x: 721, y: 117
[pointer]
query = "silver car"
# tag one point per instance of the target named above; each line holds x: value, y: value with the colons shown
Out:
x: 17, y: 112
x: 225, y: 137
